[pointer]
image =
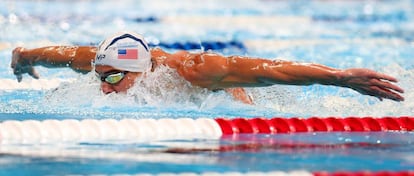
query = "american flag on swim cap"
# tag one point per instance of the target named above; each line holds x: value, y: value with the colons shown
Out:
x: 125, y: 51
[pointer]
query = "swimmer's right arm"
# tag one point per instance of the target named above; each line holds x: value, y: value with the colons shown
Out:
x: 79, y: 58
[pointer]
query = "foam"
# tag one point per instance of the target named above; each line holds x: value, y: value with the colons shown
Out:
x: 32, y: 84
x: 170, y: 93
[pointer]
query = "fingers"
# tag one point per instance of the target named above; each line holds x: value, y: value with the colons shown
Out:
x: 381, y: 88
x: 384, y: 93
x: 387, y: 85
x: 391, y: 95
x: 20, y: 67
x: 386, y: 77
x: 32, y: 72
x: 14, y: 63
x: 382, y: 76
x: 18, y: 73
x: 379, y: 92
x: 19, y: 78
x: 15, y: 57
x: 373, y: 74
x: 385, y: 89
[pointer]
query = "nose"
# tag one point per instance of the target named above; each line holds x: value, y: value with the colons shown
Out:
x: 107, y: 88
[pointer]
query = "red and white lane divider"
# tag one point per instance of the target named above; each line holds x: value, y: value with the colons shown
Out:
x: 92, y: 130
x: 315, y: 124
x: 70, y: 130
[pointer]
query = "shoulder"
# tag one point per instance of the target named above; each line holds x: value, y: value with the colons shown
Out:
x: 157, y: 52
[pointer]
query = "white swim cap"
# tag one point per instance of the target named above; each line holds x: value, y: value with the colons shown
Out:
x: 125, y: 51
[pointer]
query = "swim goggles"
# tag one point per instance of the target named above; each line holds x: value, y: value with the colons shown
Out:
x: 112, y: 77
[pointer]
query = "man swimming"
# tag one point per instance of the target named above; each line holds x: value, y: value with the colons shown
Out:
x: 125, y: 56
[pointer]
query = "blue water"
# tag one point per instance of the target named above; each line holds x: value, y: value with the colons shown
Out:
x: 265, y: 153
x: 342, y: 34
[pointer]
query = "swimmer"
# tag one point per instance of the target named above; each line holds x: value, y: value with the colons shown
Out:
x: 123, y: 57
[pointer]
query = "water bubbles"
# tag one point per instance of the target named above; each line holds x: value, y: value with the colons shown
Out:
x: 65, y: 26
x: 359, y: 60
x: 152, y: 40
x: 368, y: 9
x: 162, y: 93
x: 164, y: 87
x: 13, y: 19
x: 2, y: 19
x: 119, y: 22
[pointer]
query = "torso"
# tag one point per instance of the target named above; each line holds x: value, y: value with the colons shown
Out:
x: 185, y: 63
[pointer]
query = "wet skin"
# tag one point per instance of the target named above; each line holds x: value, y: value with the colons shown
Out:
x: 213, y: 71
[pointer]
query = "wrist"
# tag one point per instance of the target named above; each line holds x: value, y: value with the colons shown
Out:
x: 340, y: 78
x: 20, y: 56
x: 23, y: 55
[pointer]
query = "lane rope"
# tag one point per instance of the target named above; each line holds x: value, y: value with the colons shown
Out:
x: 91, y: 130
x: 273, y: 19
x: 314, y: 124
x: 269, y: 44
x: 71, y: 130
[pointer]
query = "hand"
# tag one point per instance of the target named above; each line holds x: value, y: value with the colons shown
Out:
x: 240, y: 94
x: 21, y: 65
x: 371, y: 83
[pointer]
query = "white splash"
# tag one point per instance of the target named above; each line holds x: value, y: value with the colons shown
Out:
x: 164, y: 91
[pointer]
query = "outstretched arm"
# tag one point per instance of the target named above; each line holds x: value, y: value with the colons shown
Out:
x: 214, y: 71
x: 79, y: 58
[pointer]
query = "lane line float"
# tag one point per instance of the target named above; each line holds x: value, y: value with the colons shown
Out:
x: 71, y: 130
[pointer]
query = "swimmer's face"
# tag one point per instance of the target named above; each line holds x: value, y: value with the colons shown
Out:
x: 123, y: 80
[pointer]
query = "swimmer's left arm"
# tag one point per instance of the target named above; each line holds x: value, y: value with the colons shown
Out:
x: 264, y: 72
x: 214, y: 71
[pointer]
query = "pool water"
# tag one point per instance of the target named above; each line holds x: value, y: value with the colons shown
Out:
x: 342, y: 34
x: 265, y: 153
